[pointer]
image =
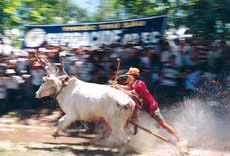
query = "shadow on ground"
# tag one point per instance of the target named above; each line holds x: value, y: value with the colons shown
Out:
x: 86, y: 151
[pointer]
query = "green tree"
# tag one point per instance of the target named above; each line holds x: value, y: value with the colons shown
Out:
x: 8, y: 14
x: 205, y: 18
x: 107, y: 10
x: 209, y: 18
x: 16, y: 13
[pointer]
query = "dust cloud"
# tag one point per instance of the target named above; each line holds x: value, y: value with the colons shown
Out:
x: 203, y: 123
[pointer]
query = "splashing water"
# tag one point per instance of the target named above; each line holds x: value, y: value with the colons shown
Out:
x: 201, y: 123
x: 196, y: 120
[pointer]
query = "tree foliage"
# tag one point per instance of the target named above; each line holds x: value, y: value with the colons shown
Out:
x: 206, y: 18
x: 14, y: 13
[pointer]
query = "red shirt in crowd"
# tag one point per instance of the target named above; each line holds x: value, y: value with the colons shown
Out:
x: 149, y: 102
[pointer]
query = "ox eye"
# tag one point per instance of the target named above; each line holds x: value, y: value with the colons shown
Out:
x: 44, y: 79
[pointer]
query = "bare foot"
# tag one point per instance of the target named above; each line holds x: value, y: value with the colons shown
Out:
x: 182, y: 145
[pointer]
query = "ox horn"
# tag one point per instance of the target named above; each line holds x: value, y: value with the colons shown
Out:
x: 118, y: 68
x: 61, y: 55
x: 47, y: 65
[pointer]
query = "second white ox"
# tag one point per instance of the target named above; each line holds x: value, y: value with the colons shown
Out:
x: 89, y: 102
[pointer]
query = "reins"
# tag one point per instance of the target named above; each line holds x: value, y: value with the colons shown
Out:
x: 58, y: 92
x: 62, y: 86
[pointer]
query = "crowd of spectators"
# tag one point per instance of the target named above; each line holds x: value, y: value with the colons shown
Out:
x: 171, y: 69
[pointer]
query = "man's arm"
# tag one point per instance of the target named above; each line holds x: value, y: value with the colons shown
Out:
x: 124, y: 88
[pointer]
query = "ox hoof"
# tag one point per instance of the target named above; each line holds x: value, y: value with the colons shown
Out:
x: 55, y: 135
x: 86, y: 144
x: 129, y: 138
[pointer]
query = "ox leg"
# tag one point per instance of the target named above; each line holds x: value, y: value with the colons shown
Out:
x: 63, y: 123
x: 117, y: 136
x: 117, y: 120
x: 102, y: 127
x: 103, y: 130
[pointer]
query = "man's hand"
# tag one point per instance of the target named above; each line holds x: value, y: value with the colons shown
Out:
x: 113, y: 82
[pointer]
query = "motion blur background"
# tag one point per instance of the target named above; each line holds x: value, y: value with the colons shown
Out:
x: 192, y: 59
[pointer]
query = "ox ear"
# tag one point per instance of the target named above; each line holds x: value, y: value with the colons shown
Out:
x: 48, y: 77
x: 44, y: 78
x: 64, y: 79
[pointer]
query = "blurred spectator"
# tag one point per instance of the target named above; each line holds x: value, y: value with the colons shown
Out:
x: 22, y: 65
x: 1, y: 46
x: 85, y: 69
x: 155, y: 59
x: 177, y: 52
x: 133, y: 59
x: 12, y: 88
x: 169, y: 70
x: 3, y: 94
x: 225, y: 56
x: 5, y: 49
x: 169, y: 77
x: 99, y: 76
x: 37, y: 72
x: 193, y: 80
x: 145, y: 59
x: 156, y: 79
x: 166, y: 52
x: 3, y: 67
x: 213, y: 55
x: 27, y: 90
x: 117, y: 50
x: 190, y: 58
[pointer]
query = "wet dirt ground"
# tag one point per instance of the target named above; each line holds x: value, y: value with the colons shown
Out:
x: 33, y: 136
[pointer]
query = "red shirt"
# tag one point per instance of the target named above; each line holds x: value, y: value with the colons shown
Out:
x: 149, y: 102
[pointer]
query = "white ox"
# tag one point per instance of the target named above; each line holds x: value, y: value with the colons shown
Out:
x: 89, y: 102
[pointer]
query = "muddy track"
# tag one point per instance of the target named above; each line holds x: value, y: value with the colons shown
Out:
x: 33, y: 136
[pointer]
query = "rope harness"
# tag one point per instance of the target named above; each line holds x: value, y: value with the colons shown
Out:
x: 64, y: 81
x: 58, y: 92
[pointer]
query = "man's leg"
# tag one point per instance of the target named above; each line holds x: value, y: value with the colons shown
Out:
x: 169, y: 128
x: 158, y: 117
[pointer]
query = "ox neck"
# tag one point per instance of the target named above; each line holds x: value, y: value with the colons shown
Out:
x: 58, y: 92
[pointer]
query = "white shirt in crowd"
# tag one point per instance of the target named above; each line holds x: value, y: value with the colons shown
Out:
x: 37, y: 75
x: 165, y: 55
x: 3, y: 91
x: 145, y: 60
x: 176, y: 51
x: 5, y: 49
x: 84, y: 70
x: 192, y: 80
x: 22, y: 64
x: 13, y: 82
x: 118, y: 51
x: 169, y: 76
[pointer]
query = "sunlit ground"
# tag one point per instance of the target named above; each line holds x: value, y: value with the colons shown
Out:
x: 28, y: 132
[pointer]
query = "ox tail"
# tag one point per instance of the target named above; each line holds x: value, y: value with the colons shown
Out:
x: 131, y: 107
x: 129, y: 110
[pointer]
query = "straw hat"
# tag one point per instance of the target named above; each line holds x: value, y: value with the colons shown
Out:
x: 36, y: 64
x: 133, y: 71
